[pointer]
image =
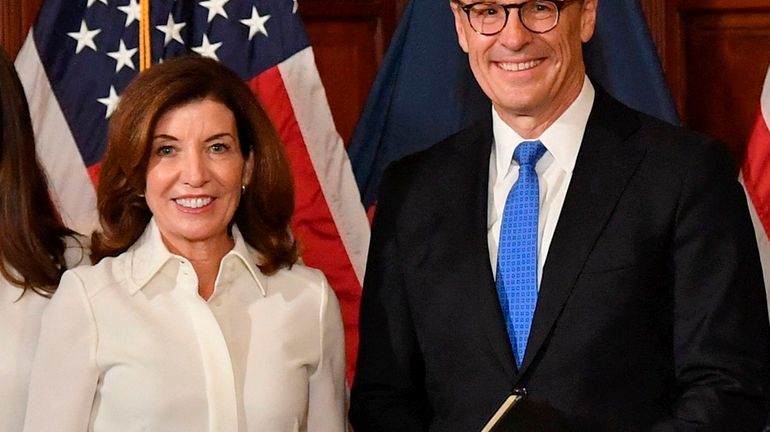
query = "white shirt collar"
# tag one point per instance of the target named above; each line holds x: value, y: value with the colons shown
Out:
x: 562, y: 139
x: 148, y: 255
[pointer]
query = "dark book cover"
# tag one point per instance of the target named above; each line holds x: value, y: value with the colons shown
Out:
x: 521, y: 414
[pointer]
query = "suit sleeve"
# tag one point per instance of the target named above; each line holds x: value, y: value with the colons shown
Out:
x: 326, y: 406
x: 388, y: 392
x: 64, y: 373
x: 721, y: 333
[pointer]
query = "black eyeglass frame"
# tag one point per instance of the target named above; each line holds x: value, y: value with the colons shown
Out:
x: 507, y: 8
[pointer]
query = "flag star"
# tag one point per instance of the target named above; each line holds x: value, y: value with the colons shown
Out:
x: 132, y: 11
x: 85, y: 37
x: 207, y: 49
x: 256, y: 23
x: 123, y: 57
x: 215, y: 7
x: 294, y: 7
x: 171, y: 30
x: 90, y: 2
x: 111, y: 102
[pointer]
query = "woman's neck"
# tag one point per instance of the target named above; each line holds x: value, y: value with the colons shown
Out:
x: 205, y: 257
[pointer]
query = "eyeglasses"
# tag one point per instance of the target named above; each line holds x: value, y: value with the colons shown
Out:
x: 537, y: 16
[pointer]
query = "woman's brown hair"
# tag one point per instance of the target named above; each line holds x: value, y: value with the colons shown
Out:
x: 32, y: 243
x: 267, y: 204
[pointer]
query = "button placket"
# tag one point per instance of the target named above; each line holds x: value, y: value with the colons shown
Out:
x: 217, y: 365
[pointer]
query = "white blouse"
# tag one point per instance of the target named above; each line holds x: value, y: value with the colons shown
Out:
x: 129, y: 345
x: 19, y: 329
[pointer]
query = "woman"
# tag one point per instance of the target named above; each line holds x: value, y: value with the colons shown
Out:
x: 195, y: 317
x: 34, y: 248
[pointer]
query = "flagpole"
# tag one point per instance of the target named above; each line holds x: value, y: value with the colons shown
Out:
x: 145, y: 49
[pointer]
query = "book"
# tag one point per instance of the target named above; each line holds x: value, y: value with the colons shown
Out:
x: 509, y: 402
x: 519, y: 413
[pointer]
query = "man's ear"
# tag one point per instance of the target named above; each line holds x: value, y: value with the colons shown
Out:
x: 588, y: 19
x: 460, y: 21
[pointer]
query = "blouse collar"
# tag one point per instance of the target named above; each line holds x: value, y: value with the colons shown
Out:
x: 148, y: 255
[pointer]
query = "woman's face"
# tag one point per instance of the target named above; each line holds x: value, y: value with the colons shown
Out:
x: 195, y: 174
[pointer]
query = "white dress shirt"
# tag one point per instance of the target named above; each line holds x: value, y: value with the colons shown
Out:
x: 554, y: 171
x: 129, y: 345
x: 19, y: 329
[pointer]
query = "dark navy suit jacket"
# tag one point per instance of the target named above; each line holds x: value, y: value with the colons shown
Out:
x: 651, y: 313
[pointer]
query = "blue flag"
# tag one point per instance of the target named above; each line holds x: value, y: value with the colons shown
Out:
x: 425, y: 91
x: 621, y: 57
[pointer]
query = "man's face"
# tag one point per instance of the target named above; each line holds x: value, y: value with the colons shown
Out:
x: 529, y: 74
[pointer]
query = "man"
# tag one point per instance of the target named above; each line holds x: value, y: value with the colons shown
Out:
x: 631, y: 300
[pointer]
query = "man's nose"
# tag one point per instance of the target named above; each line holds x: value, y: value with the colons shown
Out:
x: 514, y: 35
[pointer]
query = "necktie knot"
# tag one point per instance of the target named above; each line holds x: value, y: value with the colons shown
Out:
x: 528, y: 152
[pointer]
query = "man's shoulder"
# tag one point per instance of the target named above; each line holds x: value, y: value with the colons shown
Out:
x: 452, y: 165
x: 643, y: 129
x: 470, y: 142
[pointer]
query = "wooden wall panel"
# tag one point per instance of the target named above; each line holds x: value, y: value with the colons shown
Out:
x: 715, y: 54
x: 347, y: 58
x: 727, y: 54
x: 349, y: 39
x: 16, y: 17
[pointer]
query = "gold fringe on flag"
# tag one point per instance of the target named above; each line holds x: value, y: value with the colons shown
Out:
x: 145, y: 48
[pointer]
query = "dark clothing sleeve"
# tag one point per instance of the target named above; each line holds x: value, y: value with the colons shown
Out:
x: 719, y: 308
x: 387, y: 393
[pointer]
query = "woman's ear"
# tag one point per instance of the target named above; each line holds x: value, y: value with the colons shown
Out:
x: 248, y: 169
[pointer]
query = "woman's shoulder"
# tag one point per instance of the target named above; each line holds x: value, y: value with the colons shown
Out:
x: 297, y: 272
x: 300, y: 269
x: 301, y: 276
x: 109, y: 271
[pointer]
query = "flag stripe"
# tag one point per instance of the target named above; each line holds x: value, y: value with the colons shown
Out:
x: 756, y: 165
x: 757, y: 160
x: 764, y: 101
x: 71, y: 186
x: 328, y: 155
x: 313, y: 224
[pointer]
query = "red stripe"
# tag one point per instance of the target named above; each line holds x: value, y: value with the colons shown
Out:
x: 312, y: 224
x: 93, y: 172
x: 756, y: 163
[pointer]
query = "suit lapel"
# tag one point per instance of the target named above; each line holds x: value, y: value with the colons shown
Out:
x: 604, y: 166
x: 473, y: 155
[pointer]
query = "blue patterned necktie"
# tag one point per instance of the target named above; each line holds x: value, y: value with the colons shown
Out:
x: 517, y: 254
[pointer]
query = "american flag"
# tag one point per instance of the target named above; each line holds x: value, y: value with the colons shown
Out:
x: 756, y: 181
x: 81, y: 54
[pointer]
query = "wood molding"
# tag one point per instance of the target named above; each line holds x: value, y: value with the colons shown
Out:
x: 723, y: 5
